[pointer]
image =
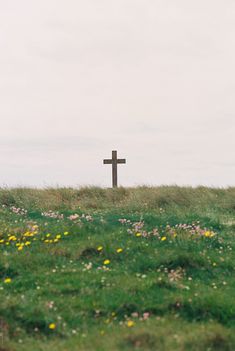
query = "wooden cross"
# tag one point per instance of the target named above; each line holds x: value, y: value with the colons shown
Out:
x: 114, y: 162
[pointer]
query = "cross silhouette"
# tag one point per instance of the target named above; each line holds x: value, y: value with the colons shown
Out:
x: 114, y: 162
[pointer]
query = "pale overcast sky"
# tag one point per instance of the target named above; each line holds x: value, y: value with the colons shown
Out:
x: 154, y: 79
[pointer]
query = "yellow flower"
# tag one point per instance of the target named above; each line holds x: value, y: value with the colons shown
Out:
x: 119, y: 250
x: 27, y: 234
x: 106, y: 262
x: 100, y: 248
x: 209, y: 234
x: 52, y: 326
x: 163, y: 238
x: 48, y: 235
x: 58, y: 236
x: 130, y: 324
x: 20, y: 247
x: 12, y: 238
x: 7, y: 280
x: 66, y: 233
x: 138, y: 234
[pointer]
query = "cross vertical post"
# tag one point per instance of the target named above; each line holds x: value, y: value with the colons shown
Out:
x: 114, y: 168
x: 114, y: 162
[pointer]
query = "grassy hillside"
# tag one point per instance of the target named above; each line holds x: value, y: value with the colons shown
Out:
x: 123, y: 269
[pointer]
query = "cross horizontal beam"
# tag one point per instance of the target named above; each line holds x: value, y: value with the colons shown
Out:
x: 110, y: 161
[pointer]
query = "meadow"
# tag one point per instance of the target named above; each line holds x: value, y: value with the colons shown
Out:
x: 117, y: 269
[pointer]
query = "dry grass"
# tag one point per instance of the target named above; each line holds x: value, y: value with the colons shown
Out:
x: 127, y: 198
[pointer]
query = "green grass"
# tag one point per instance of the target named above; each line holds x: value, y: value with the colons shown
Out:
x: 171, y: 287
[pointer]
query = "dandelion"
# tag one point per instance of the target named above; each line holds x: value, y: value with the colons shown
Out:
x: 209, y: 234
x: 130, y: 324
x: 66, y: 233
x: 7, y: 280
x: 119, y: 250
x: 99, y: 248
x: 106, y: 262
x: 163, y: 238
x: 138, y: 234
x: 52, y: 326
x: 12, y: 238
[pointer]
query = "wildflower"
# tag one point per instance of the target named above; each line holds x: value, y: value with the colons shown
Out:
x: 106, y: 262
x: 146, y: 315
x: 73, y: 217
x: 138, y: 234
x: 66, y: 233
x: 87, y: 266
x: 135, y: 315
x: 7, y: 280
x: 130, y: 324
x: 12, y: 238
x: 119, y: 250
x: 52, y: 214
x: 52, y: 326
x: 209, y: 234
x: 20, y: 247
x: 163, y: 238
x: 122, y: 220
x: 99, y: 248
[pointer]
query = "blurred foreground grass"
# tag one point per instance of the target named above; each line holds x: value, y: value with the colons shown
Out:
x: 123, y: 269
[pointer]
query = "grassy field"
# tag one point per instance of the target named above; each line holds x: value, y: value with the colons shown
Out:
x: 123, y: 269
